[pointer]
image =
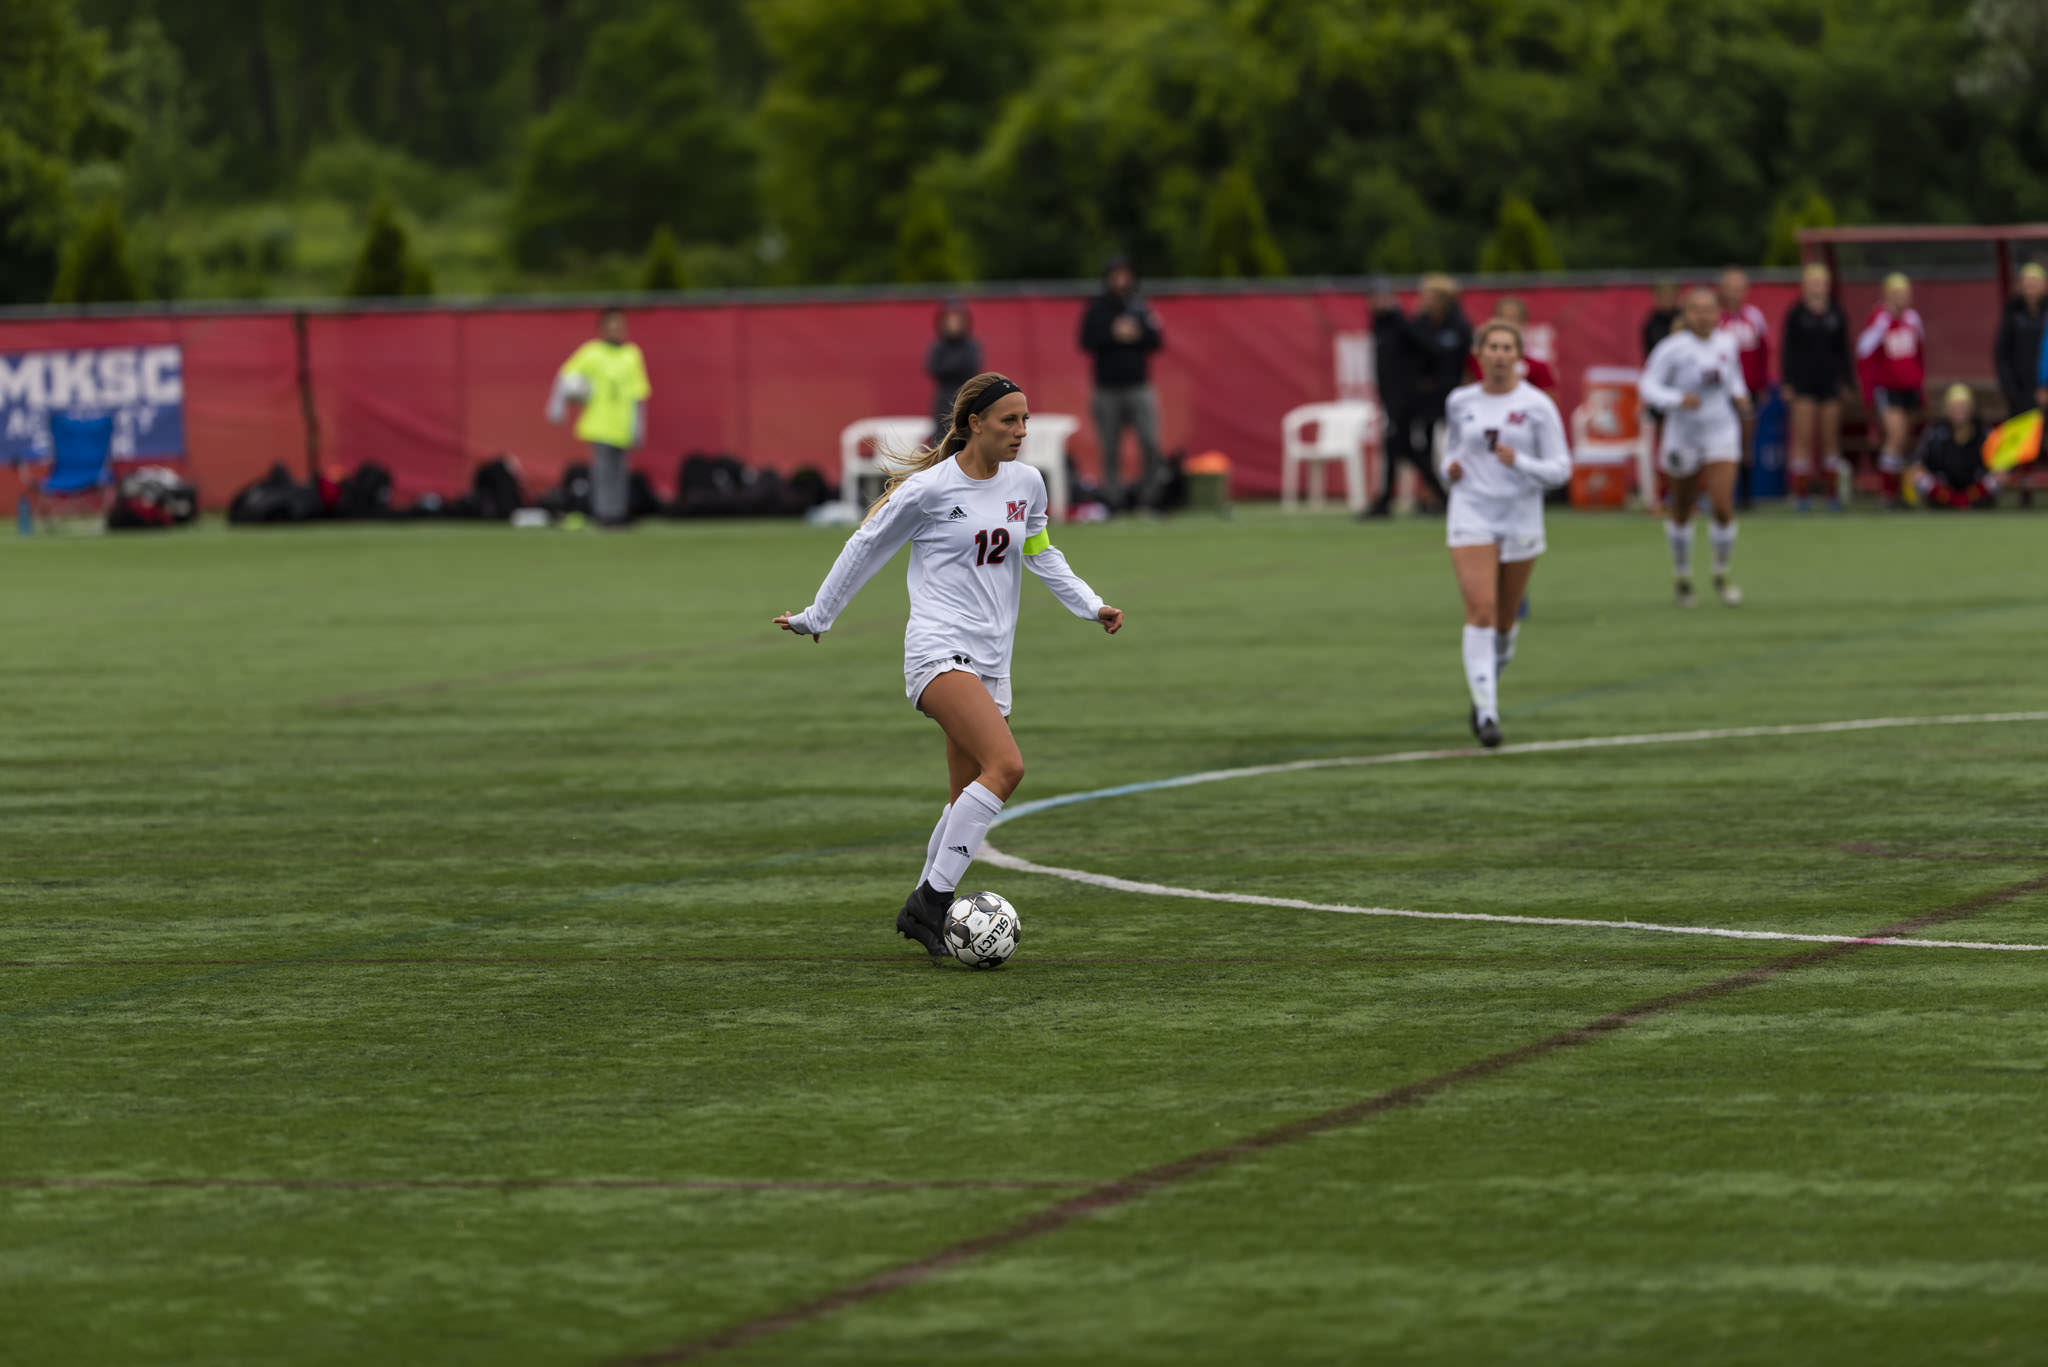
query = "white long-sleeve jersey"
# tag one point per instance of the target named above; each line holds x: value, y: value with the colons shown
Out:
x: 970, y: 540
x: 1526, y: 422
x: 1710, y: 367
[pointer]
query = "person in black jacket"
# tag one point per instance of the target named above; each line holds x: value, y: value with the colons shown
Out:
x: 955, y: 358
x: 1420, y: 360
x: 1948, y: 470
x: 1663, y: 319
x: 2017, y: 353
x: 1817, y: 372
x: 1119, y: 329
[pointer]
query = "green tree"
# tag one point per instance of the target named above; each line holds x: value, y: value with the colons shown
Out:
x: 51, y: 68
x: 96, y: 268
x: 929, y: 245
x: 1807, y: 208
x: 663, y: 267
x: 866, y: 95
x: 1520, y: 242
x: 1235, y: 239
x: 643, y: 140
x: 387, y: 267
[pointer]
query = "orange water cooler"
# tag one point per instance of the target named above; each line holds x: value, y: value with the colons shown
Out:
x: 1607, y: 437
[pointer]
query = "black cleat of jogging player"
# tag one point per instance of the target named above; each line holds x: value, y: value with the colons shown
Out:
x: 1487, y: 731
x: 923, y: 919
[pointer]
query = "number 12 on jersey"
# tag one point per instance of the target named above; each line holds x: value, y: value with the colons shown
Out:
x: 990, y: 546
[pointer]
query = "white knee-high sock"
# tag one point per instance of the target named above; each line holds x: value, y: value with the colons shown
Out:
x: 1723, y: 538
x: 1681, y: 548
x: 1481, y: 672
x: 974, y: 811
x: 931, y: 847
x: 1504, y: 647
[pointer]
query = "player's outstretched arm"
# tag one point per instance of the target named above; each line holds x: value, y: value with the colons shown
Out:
x: 865, y: 552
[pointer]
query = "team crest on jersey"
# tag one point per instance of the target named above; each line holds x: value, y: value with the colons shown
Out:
x: 1517, y: 419
x: 1018, y: 509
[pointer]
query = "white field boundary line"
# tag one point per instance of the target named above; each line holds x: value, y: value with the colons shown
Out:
x: 1102, y: 880
x: 1536, y: 747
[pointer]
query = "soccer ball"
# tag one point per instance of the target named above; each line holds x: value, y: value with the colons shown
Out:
x: 982, y: 930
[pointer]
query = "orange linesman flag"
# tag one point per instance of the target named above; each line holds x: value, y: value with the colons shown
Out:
x: 2015, y: 441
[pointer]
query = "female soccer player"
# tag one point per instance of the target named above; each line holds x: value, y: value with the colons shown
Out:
x: 1504, y: 444
x: 1818, y: 373
x: 1893, y: 352
x: 974, y: 517
x: 1695, y: 377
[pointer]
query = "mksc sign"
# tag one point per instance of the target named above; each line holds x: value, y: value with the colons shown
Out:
x: 142, y: 386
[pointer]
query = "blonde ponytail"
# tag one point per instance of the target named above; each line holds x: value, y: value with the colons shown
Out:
x: 902, y: 467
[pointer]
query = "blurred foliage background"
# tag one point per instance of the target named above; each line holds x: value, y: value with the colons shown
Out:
x: 251, y: 148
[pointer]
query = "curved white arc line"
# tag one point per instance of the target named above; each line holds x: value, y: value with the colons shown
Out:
x: 990, y: 854
x: 1536, y: 747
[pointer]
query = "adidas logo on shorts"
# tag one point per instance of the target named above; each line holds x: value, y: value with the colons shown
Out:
x: 957, y: 849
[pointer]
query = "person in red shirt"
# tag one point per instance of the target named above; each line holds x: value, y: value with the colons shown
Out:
x: 1891, y: 361
x: 1537, y: 372
x: 1745, y: 322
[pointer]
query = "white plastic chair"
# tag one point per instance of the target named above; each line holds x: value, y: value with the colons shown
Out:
x: 1045, y: 446
x: 860, y: 443
x: 1342, y: 432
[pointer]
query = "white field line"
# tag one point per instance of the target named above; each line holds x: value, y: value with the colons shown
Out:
x: 1536, y: 747
x: 992, y: 855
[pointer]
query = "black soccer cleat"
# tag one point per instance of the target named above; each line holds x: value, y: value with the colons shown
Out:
x: 1487, y: 731
x: 923, y: 919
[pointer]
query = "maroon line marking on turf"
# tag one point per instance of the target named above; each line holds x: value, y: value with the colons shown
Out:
x: 507, y: 1184
x: 1125, y: 1190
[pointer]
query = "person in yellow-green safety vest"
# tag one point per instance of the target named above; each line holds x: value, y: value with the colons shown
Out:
x: 608, y: 377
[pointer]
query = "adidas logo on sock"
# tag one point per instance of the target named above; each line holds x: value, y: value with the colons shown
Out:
x: 957, y: 849
x: 958, y: 513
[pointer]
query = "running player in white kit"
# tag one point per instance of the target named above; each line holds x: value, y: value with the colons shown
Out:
x: 1695, y: 377
x: 1504, y: 444
x: 975, y: 517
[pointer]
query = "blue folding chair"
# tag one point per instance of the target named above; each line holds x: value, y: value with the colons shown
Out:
x: 80, y: 467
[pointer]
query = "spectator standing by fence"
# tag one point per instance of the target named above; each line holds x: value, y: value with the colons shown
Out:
x: 1891, y: 357
x: 1663, y: 319
x: 1818, y: 374
x: 1119, y: 329
x: 955, y: 358
x: 1746, y: 323
x: 608, y: 376
x: 2017, y: 353
x: 1432, y: 347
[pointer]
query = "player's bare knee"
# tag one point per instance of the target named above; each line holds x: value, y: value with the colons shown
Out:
x: 1002, y: 774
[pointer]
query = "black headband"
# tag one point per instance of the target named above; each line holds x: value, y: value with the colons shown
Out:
x: 987, y: 397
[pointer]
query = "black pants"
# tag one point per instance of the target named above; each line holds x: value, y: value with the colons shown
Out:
x: 1410, y: 432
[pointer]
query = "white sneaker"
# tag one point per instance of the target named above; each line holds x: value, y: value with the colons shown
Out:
x: 1730, y: 595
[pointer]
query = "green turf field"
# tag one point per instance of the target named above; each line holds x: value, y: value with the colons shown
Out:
x: 453, y: 945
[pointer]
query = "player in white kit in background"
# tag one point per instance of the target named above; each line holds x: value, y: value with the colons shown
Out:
x: 1695, y: 377
x: 1504, y: 444
x: 975, y: 517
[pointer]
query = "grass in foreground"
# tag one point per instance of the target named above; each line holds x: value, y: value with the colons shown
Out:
x: 452, y: 875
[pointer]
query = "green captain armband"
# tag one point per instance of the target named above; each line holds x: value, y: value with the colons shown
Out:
x: 1041, y: 542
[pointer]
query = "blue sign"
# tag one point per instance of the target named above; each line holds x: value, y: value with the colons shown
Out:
x: 142, y: 386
